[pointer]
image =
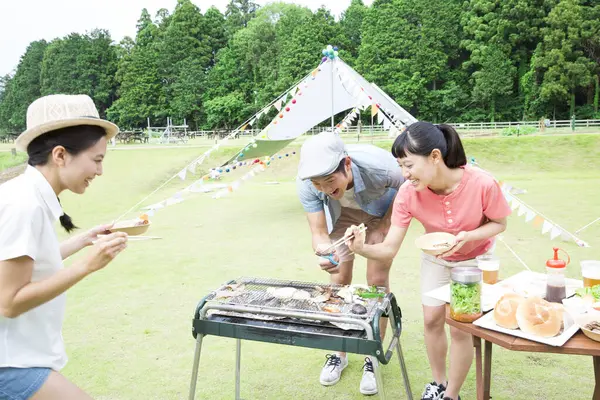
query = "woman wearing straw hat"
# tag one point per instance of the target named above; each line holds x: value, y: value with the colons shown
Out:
x: 66, y: 142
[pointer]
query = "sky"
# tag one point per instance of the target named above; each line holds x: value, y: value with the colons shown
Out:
x: 28, y: 20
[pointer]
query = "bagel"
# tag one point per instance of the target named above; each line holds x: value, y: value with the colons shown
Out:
x: 505, y: 311
x: 539, y: 317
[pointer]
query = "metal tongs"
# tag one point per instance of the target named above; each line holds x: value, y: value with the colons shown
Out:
x: 328, y: 253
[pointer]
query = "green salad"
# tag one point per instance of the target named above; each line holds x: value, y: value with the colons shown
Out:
x: 369, y: 293
x: 465, y: 298
x: 594, y: 291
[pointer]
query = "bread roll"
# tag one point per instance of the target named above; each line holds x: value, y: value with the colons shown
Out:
x: 538, y: 317
x: 505, y: 311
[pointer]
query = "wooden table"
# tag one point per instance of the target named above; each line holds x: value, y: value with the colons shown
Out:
x: 579, y: 344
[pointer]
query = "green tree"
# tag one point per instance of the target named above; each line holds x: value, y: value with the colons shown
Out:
x: 494, y: 79
x: 560, y: 55
x: 238, y: 13
x: 351, y: 31
x: 215, y: 32
x: 141, y: 90
x: 81, y: 64
x: 23, y: 88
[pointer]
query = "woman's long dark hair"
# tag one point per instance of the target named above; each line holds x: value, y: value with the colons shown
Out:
x: 74, y: 139
x: 422, y: 137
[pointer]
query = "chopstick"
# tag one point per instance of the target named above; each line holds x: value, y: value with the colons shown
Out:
x: 362, y: 228
x: 136, y: 238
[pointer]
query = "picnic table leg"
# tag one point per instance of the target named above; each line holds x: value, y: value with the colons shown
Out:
x: 487, y: 370
x: 597, y: 378
x: 478, y: 367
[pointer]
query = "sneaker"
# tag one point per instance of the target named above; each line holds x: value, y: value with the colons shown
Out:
x: 332, y: 370
x: 450, y: 398
x: 368, y: 383
x: 433, y: 391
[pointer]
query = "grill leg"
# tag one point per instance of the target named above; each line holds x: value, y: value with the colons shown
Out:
x: 379, y: 380
x: 238, y: 366
x: 404, y: 372
x: 195, y: 368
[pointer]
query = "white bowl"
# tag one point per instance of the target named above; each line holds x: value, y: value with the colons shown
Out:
x: 436, y: 243
x: 583, y: 319
x: 130, y: 227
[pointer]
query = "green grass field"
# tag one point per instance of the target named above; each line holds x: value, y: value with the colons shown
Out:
x: 128, y: 327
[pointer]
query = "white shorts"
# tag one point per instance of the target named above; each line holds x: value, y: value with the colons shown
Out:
x: 435, y: 273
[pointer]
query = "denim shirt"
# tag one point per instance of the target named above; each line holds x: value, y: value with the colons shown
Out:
x: 377, y: 178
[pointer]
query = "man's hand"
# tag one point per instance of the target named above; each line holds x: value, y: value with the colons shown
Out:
x: 325, y: 264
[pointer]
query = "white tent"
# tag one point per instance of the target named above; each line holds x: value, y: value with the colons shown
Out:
x: 330, y: 89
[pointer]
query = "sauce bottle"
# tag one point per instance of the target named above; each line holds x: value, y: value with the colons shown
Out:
x: 555, y: 271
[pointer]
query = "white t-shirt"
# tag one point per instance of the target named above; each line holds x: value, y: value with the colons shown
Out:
x: 29, y: 209
x: 348, y: 199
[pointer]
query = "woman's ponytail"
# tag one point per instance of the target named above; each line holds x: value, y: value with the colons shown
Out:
x: 66, y: 222
x: 455, y: 156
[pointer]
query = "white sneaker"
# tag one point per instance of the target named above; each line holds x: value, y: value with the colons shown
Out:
x: 433, y: 391
x: 368, y: 383
x: 332, y: 370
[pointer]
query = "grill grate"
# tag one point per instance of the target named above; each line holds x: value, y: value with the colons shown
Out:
x: 260, y: 294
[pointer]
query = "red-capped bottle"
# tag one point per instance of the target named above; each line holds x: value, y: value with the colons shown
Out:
x: 555, y: 271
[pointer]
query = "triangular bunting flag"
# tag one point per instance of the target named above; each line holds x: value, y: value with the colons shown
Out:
x: 387, y: 124
x: 515, y: 204
x: 522, y: 210
x: 278, y: 104
x: 556, y: 231
x: 172, y: 201
x: 374, y: 109
x: 566, y: 237
x: 243, y: 127
x: 546, y: 227
x: 380, y: 117
x: 537, y: 221
x: 182, y: 174
x: 530, y: 216
x: 192, y: 168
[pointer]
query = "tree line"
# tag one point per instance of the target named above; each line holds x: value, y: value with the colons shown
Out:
x: 442, y: 60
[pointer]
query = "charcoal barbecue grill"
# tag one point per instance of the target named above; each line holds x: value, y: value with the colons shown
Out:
x: 271, y: 311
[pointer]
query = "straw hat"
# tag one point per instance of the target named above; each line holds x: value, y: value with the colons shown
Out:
x: 57, y: 111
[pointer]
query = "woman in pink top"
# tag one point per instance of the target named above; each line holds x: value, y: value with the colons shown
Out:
x: 446, y: 195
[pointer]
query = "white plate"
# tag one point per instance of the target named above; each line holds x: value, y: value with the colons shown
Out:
x: 529, y: 283
x: 487, y: 322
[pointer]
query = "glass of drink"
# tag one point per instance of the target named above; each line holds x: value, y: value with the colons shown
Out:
x: 490, y: 265
x: 590, y: 270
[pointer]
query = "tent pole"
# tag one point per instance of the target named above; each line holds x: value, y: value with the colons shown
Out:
x: 332, y: 108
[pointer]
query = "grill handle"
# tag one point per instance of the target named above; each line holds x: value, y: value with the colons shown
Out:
x: 201, y: 304
x: 389, y: 305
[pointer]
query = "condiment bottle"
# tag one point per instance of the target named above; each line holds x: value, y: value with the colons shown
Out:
x: 555, y: 271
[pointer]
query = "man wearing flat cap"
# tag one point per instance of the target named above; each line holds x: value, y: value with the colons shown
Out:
x: 340, y: 186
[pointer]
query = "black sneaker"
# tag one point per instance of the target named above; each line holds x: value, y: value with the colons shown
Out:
x: 433, y: 391
x: 450, y: 398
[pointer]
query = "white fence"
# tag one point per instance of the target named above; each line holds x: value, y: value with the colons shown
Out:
x: 467, y: 128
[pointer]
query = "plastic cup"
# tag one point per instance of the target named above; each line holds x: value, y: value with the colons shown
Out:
x: 490, y: 265
x: 590, y: 271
